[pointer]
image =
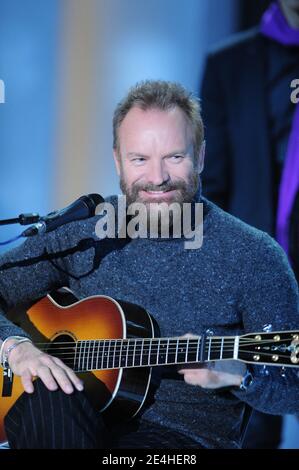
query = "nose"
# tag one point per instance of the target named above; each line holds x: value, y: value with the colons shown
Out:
x: 157, y: 173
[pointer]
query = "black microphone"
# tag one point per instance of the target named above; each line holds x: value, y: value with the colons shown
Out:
x: 82, y: 208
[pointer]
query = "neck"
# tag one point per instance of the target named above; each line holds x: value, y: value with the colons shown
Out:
x: 291, y: 15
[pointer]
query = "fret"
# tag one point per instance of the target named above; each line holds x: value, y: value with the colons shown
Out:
x: 137, y: 352
x: 124, y: 353
x: 92, y: 356
x: 176, y: 351
x: 167, y: 351
x: 198, y: 349
x: 105, y: 354
x: 121, y: 353
x: 110, y: 359
x: 158, y: 352
x: 97, y: 355
x: 101, y: 346
x: 114, y: 351
x: 236, y: 347
x: 134, y: 352
x: 163, y: 345
x: 108, y: 348
x: 127, y: 352
x: 221, y: 350
x: 74, y: 364
x: 118, y: 352
x: 172, y: 351
x: 153, y: 352
x: 214, y: 350
x: 79, y: 355
x: 187, y: 350
x: 141, y: 352
x: 192, y: 350
x: 88, y: 355
x: 228, y: 344
x: 146, y: 352
x: 84, y: 356
x: 130, y: 355
x: 209, y: 350
x: 180, y: 357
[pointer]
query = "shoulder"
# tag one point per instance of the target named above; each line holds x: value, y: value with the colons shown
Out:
x: 254, y: 253
x: 235, y: 44
x: 241, y: 237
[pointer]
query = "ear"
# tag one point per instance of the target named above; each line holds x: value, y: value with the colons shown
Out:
x: 201, y: 157
x: 116, y: 161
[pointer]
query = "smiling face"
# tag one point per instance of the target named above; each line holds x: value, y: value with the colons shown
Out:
x: 155, y: 159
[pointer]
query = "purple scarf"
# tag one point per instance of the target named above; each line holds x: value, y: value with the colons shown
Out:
x: 275, y: 26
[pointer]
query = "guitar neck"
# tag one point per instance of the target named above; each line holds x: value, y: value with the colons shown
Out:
x: 278, y: 348
x: 117, y: 353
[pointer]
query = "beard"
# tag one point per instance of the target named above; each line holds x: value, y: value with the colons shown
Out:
x: 184, y: 193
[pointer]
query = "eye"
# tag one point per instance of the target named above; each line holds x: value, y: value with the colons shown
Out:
x: 138, y: 161
x: 176, y: 158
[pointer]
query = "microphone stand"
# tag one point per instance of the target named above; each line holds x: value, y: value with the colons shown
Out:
x: 23, y: 219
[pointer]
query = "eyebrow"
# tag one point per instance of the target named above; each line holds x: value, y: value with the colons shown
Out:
x: 134, y: 154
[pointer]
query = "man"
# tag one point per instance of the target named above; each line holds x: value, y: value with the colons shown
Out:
x: 252, y: 128
x: 238, y: 280
x: 249, y: 117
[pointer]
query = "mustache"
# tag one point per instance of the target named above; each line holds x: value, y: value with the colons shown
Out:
x: 167, y: 186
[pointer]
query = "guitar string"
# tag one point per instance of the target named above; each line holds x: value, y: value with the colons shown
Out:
x: 214, y: 339
x: 118, y: 353
x: 119, y: 345
x: 138, y: 348
x: 130, y: 355
x: 226, y: 343
x: 84, y: 354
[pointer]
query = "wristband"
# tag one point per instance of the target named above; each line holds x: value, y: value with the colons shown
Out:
x: 4, y: 354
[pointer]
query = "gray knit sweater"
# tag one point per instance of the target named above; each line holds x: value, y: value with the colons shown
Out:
x: 238, y: 281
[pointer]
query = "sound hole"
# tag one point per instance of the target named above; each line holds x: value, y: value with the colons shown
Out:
x: 63, y: 347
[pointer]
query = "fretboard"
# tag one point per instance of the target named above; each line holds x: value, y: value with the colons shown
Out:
x: 117, y: 353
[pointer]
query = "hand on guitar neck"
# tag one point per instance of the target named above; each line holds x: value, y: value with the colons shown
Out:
x: 205, y: 377
x: 29, y: 362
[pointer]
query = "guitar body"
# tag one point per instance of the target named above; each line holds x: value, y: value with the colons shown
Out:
x: 118, y: 393
x: 114, y: 345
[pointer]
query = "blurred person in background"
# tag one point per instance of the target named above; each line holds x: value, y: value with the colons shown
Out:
x: 252, y: 133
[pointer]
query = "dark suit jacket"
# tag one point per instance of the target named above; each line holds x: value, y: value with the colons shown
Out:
x: 238, y: 170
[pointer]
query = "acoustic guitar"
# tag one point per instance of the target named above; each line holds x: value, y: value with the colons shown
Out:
x: 114, y: 346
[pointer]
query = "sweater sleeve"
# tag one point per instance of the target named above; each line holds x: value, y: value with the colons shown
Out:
x: 270, y: 298
x: 25, y: 275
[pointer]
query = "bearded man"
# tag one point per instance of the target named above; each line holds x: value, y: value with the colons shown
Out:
x: 237, y: 281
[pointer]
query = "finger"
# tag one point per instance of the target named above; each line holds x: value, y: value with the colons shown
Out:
x: 44, y: 373
x: 70, y: 373
x: 190, y: 335
x: 196, y: 377
x: 183, y: 371
x: 26, y: 379
x: 62, y: 379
